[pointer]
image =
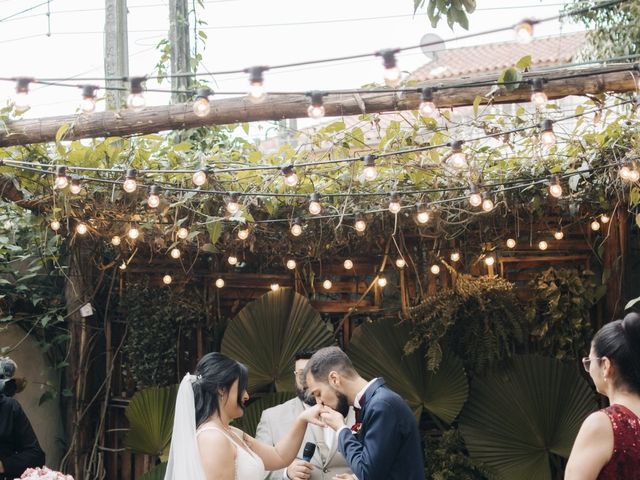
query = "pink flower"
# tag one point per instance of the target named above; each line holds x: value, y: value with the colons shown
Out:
x: 43, y: 473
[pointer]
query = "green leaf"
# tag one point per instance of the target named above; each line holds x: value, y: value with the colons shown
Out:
x: 524, y: 62
x: 209, y: 248
x: 150, y: 414
x: 61, y: 131
x: 215, y: 230
x: 182, y: 147
x: 45, y: 397
x: 476, y: 105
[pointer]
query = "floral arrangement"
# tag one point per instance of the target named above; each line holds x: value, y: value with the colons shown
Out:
x: 43, y: 473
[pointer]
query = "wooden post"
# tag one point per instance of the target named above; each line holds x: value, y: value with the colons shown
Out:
x: 180, y: 52
x: 614, y: 262
x: 116, y: 52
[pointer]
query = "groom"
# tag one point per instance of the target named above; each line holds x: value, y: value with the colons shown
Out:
x: 386, y: 445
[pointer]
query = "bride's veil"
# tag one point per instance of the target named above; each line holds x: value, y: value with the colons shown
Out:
x: 184, y: 459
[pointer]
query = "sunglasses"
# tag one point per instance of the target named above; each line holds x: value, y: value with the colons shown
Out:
x: 586, y: 362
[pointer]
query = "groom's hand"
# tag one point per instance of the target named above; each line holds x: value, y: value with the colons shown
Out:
x: 299, y: 470
x: 332, y: 418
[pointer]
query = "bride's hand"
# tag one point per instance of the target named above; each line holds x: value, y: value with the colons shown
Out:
x: 312, y: 415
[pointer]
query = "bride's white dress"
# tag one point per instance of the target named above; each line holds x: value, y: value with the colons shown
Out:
x: 249, y: 466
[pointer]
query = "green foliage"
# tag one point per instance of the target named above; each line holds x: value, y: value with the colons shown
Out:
x: 156, y: 473
x: 454, y: 10
x: 479, y: 320
x: 560, y: 312
x: 446, y: 458
x: 158, y: 318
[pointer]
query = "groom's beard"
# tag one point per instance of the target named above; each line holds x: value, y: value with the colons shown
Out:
x: 343, y: 404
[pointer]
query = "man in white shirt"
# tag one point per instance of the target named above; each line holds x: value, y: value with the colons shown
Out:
x: 275, y: 422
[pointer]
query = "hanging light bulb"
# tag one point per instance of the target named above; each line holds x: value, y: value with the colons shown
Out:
x: 538, y: 97
x: 455, y: 256
x: 391, y: 70
x: 88, y: 102
x: 21, y: 100
x: 475, y: 199
x: 202, y: 105
x: 542, y: 245
x: 316, y: 108
x: 625, y: 172
x: 61, y: 180
x: 524, y: 31
x: 435, y: 269
x: 327, y: 284
x: 558, y: 235
x: 154, y: 196
x: 275, y: 287
x: 360, y: 225
x: 116, y: 240
x: 55, y: 225
x: 232, y: 203
x: 370, y: 172
x: 394, y: 203
x: 82, y: 228
x: 634, y: 175
x: 487, y: 203
x: 555, y: 188
x: 489, y: 260
x: 382, y: 281
x: 291, y: 264
x: 604, y: 218
x: 200, y: 177
x: 133, y: 232
x: 314, y: 204
x: 296, y: 228
x: 595, y: 225
x: 219, y: 283
x: 243, y: 233
x: 547, y: 137
x: 458, y: 159
x: 135, y: 100
x: 232, y: 259
x: 256, y: 83
x: 175, y: 253
x: 123, y: 265
x: 423, y: 215
x: 511, y: 243
x: 348, y: 264
x: 401, y: 263
x: 75, y: 187
x: 130, y: 184
x: 290, y: 177
x: 182, y: 233
x: 167, y: 279
x: 427, y: 107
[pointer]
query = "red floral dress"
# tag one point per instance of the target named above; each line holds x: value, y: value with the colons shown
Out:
x: 625, y: 460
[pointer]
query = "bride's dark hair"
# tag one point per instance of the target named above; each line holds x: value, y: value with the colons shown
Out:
x: 216, y: 373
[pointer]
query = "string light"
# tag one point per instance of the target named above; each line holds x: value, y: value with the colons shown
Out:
x: 455, y: 256
x: 116, y: 240
x: 135, y: 100
x: 88, y: 102
x: 370, y: 172
x: 604, y: 218
x: 130, y: 184
x: 475, y: 199
x: 21, y: 101
x: 394, y: 202
x: 555, y: 188
x: 511, y: 243
x: 634, y: 175
x: 133, y: 232
x: 538, y: 97
x: 232, y: 259
x: 75, y: 187
x: 489, y: 260
x: 200, y: 177
x: 458, y: 159
x: 167, y: 279
x: 275, y: 287
x: 348, y: 264
x: 175, y: 253
x: 55, y: 225
x: 423, y: 215
x: 558, y: 235
x: 360, y: 224
x: 219, y: 283
x: 61, y: 180
x: 427, y: 107
x: 182, y: 233
x: 291, y: 264
x: 256, y: 83
x: 435, y: 269
x: 547, y: 137
x: 202, y: 105
x: 314, y: 204
x: 243, y: 233
x: 487, y: 203
x: 382, y: 281
x: 543, y: 245
x: 595, y: 225
x: 290, y: 177
x: 316, y: 108
x: 391, y: 70
x: 296, y: 228
x: 232, y: 203
x: 82, y: 228
x: 154, y: 196
x: 400, y: 263
x: 327, y: 284
x: 625, y: 172
x: 524, y: 31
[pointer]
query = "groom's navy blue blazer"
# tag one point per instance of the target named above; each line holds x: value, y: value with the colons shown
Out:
x: 387, y: 447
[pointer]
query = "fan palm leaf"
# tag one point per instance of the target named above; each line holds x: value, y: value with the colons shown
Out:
x: 267, y: 333
x: 517, y: 418
x: 377, y: 349
x: 150, y: 414
x: 156, y: 473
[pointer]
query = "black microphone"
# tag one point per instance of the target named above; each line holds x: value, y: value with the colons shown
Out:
x: 309, y: 450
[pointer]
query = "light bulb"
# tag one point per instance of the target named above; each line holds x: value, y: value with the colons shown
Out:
x: 153, y: 201
x: 81, y: 228
x: 55, y: 225
x: 511, y: 243
x: 275, y: 287
x: 475, y: 199
x: 595, y: 225
x: 539, y: 99
x: 88, y: 104
x: 435, y: 269
x: 202, y: 106
x: 542, y: 245
x: 370, y: 172
x: 75, y: 187
x: 21, y: 100
x: 61, y: 183
x: 133, y: 233
x: 391, y: 70
x: 548, y: 138
x: 558, y: 235
x: 455, y: 256
x: 123, y: 265
x: 625, y: 172
x: 136, y: 102
x: 232, y: 204
x: 459, y: 160
x: 167, y: 279
x: 219, y: 283
x: 489, y: 260
x: 400, y: 263
x: 555, y: 190
x: 291, y: 180
x: 233, y: 260
x: 428, y: 109
x: 130, y: 185
x: 199, y: 178
x: 291, y: 264
x: 182, y: 233
x: 296, y: 229
x: 116, y: 240
x: 315, y: 111
x: 314, y: 208
x: 524, y: 32
x: 256, y: 92
x: 382, y: 281
x: 348, y: 264
x: 487, y: 205
x: 327, y: 284
x: 604, y: 218
x: 392, y: 77
x: 423, y: 217
x: 360, y: 225
x: 175, y: 253
x: 634, y: 175
x: 394, y: 207
x: 243, y: 233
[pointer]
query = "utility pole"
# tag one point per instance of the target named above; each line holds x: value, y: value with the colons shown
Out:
x: 116, y: 52
x: 180, y: 51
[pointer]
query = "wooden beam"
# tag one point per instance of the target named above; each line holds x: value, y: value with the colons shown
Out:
x: 276, y: 107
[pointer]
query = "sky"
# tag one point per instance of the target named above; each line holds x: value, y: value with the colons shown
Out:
x: 69, y: 41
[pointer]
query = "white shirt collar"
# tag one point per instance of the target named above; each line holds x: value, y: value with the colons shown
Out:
x: 356, y: 402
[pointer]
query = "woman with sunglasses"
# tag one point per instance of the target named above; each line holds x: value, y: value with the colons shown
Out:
x: 608, y: 444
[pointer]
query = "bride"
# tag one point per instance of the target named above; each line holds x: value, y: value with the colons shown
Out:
x: 205, y: 447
